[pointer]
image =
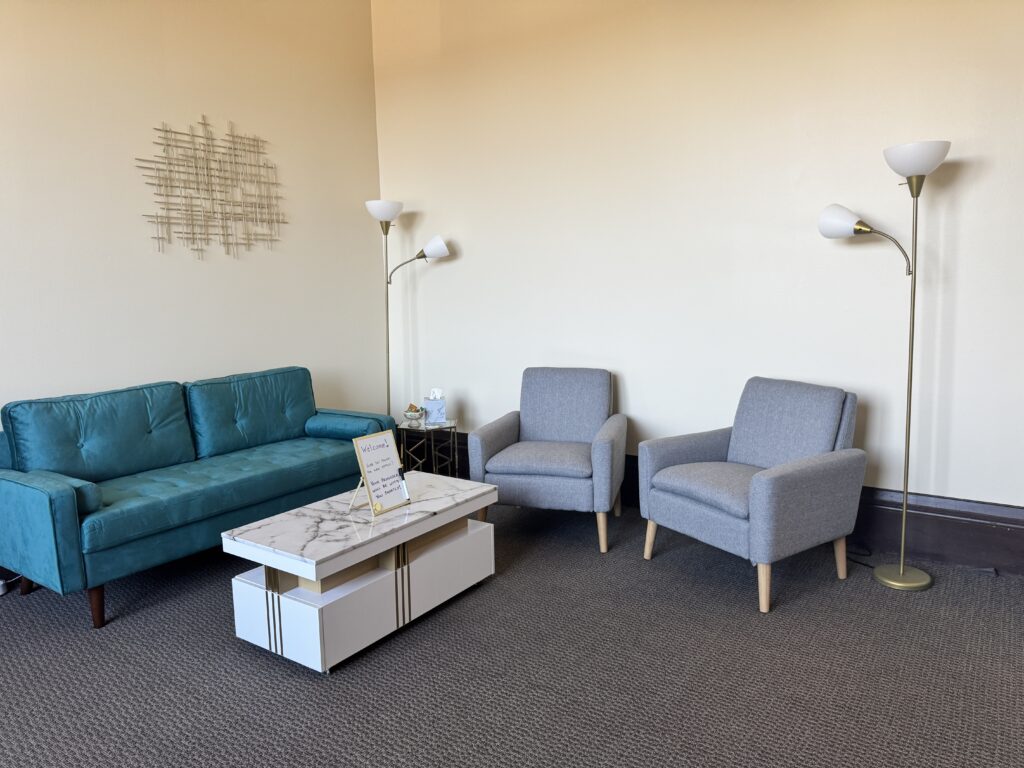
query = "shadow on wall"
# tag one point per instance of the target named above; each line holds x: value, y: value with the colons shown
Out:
x: 939, y: 251
x: 410, y: 364
x: 863, y: 416
x: 939, y: 255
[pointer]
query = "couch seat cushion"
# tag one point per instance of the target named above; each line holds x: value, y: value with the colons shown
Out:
x: 552, y: 459
x: 720, y: 484
x: 161, y: 499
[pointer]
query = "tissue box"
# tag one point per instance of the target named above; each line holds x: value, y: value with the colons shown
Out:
x: 436, y: 413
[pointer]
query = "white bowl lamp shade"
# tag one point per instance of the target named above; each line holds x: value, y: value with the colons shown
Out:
x: 919, y: 158
x: 837, y: 221
x: 435, y: 248
x: 384, y: 210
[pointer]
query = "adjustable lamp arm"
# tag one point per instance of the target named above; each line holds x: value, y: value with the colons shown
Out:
x: 420, y: 255
x: 434, y: 249
x: 861, y: 228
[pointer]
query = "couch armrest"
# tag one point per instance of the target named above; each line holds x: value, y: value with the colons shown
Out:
x: 6, y: 460
x: 344, y: 425
x: 88, y: 496
x: 41, y: 534
x: 803, y: 503
x: 656, y: 455
x: 488, y: 440
x: 608, y: 460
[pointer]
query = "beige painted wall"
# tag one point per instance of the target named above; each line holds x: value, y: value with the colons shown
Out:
x: 87, y: 303
x: 635, y: 185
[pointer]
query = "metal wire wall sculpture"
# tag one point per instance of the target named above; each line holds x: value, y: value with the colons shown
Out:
x: 211, y: 188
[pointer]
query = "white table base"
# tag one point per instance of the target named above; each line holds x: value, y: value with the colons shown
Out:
x: 321, y: 623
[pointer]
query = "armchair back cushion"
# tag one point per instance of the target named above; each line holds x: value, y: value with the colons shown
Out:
x: 249, y: 409
x: 847, y: 423
x: 100, y: 436
x: 779, y: 421
x: 567, y: 405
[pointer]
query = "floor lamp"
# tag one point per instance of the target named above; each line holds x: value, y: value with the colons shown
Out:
x: 386, y: 211
x: 914, y: 162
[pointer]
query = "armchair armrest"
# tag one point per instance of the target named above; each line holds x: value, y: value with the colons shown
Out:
x: 344, y: 425
x: 655, y: 455
x: 804, y: 503
x: 42, y: 537
x: 608, y: 460
x: 488, y: 440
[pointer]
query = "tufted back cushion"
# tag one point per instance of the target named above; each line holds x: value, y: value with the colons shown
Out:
x: 780, y: 421
x: 249, y: 409
x: 100, y: 436
x: 564, y: 404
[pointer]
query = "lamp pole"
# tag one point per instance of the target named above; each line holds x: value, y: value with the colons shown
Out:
x: 903, y: 576
x: 385, y: 227
x: 910, y: 387
x: 385, y: 212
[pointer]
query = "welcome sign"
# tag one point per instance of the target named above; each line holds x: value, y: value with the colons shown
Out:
x: 382, y: 471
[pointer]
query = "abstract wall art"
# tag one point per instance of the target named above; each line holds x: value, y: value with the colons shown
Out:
x: 212, y: 189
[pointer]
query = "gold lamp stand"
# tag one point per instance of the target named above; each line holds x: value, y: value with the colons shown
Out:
x: 903, y: 576
x: 913, y: 162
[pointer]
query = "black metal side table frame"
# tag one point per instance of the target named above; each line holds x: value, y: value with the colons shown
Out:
x: 436, y: 442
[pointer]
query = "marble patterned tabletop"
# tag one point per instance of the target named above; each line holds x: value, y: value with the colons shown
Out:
x: 324, y: 529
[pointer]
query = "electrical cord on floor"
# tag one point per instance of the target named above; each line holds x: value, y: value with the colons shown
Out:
x: 852, y: 553
x: 983, y: 569
x: 7, y: 584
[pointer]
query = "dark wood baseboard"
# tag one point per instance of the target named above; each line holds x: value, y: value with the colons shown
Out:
x: 958, y: 531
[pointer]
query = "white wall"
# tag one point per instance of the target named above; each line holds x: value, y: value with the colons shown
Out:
x: 635, y: 185
x: 87, y: 302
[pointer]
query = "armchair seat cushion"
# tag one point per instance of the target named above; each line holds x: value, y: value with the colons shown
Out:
x: 548, y: 458
x: 141, y: 505
x: 721, y: 484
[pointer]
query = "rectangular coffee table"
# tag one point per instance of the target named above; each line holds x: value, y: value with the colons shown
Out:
x: 331, y: 582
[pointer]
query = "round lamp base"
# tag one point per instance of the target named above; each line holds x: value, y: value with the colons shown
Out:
x: 912, y: 579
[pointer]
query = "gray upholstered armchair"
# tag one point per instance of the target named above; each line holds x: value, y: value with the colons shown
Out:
x: 781, y: 480
x: 561, y: 450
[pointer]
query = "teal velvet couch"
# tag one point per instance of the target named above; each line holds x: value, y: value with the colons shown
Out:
x: 100, y: 486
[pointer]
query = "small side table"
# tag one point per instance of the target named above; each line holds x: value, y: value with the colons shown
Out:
x: 436, y: 442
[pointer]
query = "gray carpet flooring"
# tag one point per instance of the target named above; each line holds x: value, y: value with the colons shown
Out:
x: 564, y: 658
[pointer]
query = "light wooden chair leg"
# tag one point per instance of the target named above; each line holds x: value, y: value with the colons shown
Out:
x: 839, y: 545
x: 602, y: 531
x: 481, y: 515
x: 652, y: 530
x: 617, y: 506
x: 764, y: 586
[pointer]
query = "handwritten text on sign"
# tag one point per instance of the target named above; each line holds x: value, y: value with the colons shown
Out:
x: 378, y: 460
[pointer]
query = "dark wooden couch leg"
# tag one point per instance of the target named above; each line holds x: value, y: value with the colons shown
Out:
x: 26, y: 586
x: 96, y: 604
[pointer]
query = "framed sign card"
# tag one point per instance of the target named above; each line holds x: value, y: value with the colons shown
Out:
x: 382, y: 471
